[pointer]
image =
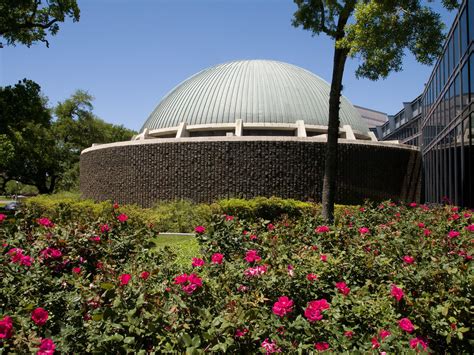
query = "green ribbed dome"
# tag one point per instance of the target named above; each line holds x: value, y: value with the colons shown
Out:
x: 256, y: 91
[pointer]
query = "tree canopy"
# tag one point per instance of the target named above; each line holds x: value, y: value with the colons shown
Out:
x: 39, y: 150
x: 29, y: 21
x: 377, y: 33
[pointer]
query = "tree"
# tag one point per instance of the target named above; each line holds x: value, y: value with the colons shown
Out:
x: 28, y: 21
x: 377, y: 32
x: 28, y: 148
x: 77, y: 128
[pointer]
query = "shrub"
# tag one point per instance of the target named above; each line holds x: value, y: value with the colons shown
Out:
x: 386, y: 278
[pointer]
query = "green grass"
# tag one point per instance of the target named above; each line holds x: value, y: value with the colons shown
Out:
x: 185, y: 246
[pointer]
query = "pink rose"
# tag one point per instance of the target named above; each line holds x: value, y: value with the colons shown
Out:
x: 270, y: 347
x: 418, y: 341
x: 322, y: 229
x: 470, y: 228
x: 122, y: 218
x: 3, y: 217
x: 240, y: 333
x: 16, y: 254
x: 384, y: 333
x: 6, y: 327
x: 124, y: 279
x: 39, y: 316
x: 95, y: 239
x: 375, y: 343
x: 26, y: 260
x: 104, y: 228
x: 199, y: 229
x: 255, y: 271
x: 408, y: 259
x: 406, y: 325
x: 47, y: 347
x: 349, y: 334
x: 283, y: 306
x: 197, y: 262
x: 396, y: 292
x: 313, y: 311
x: 229, y: 218
x: 76, y: 270
x: 45, y: 222
x: 421, y: 225
x: 252, y: 256
x: 426, y: 232
x: 145, y: 275
x: 311, y: 277
x: 217, y: 258
x: 322, y: 346
x: 270, y: 227
x: 189, y: 283
x: 323, y: 257
x: 364, y: 230
x: 342, y: 287
x: 453, y: 234
x: 413, y: 204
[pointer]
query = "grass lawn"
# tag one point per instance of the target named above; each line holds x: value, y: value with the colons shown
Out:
x: 185, y: 246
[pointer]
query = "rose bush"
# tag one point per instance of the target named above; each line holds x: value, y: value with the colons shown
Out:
x: 376, y: 281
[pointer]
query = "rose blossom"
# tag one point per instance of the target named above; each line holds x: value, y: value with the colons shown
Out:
x: 321, y: 346
x: 197, y: 262
x: 418, y: 341
x: 408, y: 259
x: 76, y: 270
x: 240, y: 333
x: 6, y: 327
x: 39, y: 316
x: 217, y: 258
x: 95, y: 239
x: 145, y: 275
x: 270, y: 347
x: 45, y: 222
x: 122, y: 218
x: 421, y: 225
x: 252, y: 256
x: 453, y: 234
x: 255, y: 271
x: 115, y: 205
x: 283, y: 306
x: 406, y: 325
x: 322, y: 229
x: 47, y: 347
x: 314, y: 309
x: 323, y: 257
x: 189, y: 283
x: 229, y: 218
x: 199, y: 229
x: 311, y: 277
x: 124, y: 279
x: 16, y: 254
x: 342, y: 287
x: 384, y: 333
x: 51, y: 253
x: 26, y: 260
x: 270, y: 227
x: 396, y: 292
x: 364, y: 230
x: 3, y: 217
x: 104, y: 228
x: 426, y: 232
x: 470, y: 228
x: 348, y: 333
x: 375, y: 343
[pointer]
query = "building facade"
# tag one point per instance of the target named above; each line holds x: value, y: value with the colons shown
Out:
x: 373, y: 118
x: 441, y: 120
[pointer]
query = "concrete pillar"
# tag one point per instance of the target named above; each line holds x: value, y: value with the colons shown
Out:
x: 182, y: 131
x: 372, y: 136
x: 239, y: 128
x: 349, y: 132
x: 300, y: 128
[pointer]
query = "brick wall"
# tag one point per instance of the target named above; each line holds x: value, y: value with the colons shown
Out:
x: 206, y: 170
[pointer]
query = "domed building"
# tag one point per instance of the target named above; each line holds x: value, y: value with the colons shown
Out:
x: 245, y: 129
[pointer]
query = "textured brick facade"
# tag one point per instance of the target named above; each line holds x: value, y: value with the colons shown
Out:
x: 204, y: 170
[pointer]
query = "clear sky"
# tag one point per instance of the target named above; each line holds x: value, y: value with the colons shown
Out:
x: 129, y: 53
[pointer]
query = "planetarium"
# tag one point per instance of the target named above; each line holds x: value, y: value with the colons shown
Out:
x: 245, y: 129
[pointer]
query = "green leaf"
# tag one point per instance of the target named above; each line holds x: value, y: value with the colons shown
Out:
x: 106, y: 285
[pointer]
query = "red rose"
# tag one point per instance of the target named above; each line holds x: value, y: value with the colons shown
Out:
x: 125, y: 279
x: 47, y: 347
x: 122, y: 218
x: 396, y: 292
x: 406, y: 325
x: 217, y: 258
x: 322, y: 229
x: 145, y: 275
x: 39, y: 316
x: 283, y: 306
x: 199, y: 229
x: 6, y: 327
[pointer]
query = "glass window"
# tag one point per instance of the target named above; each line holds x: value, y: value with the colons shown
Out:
x: 452, y: 107
x: 463, y: 31
x: 457, y: 95
x: 446, y: 67
x: 455, y: 47
x: 450, y: 56
x: 471, y: 19
x: 471, y: 75
x: 465, y: 85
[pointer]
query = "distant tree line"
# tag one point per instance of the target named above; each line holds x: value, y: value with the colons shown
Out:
x: 40, y: 145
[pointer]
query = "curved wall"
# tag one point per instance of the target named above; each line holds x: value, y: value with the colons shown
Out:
x: 206, y: 169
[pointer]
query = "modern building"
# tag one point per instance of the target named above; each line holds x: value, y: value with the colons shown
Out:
x: 245, y: 129
x: 444, y: 130
x: 405, y: 126
x: 373, y: 118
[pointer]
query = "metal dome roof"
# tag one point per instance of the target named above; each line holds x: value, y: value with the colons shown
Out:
x: 256, y: 91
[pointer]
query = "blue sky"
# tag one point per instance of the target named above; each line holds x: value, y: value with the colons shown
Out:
x: 129, y: 53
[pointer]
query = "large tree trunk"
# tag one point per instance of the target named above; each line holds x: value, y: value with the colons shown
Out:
x: 330, y: 168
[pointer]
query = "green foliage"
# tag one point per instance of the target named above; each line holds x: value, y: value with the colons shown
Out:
x: 91, y: 310
x: 29, y: 21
